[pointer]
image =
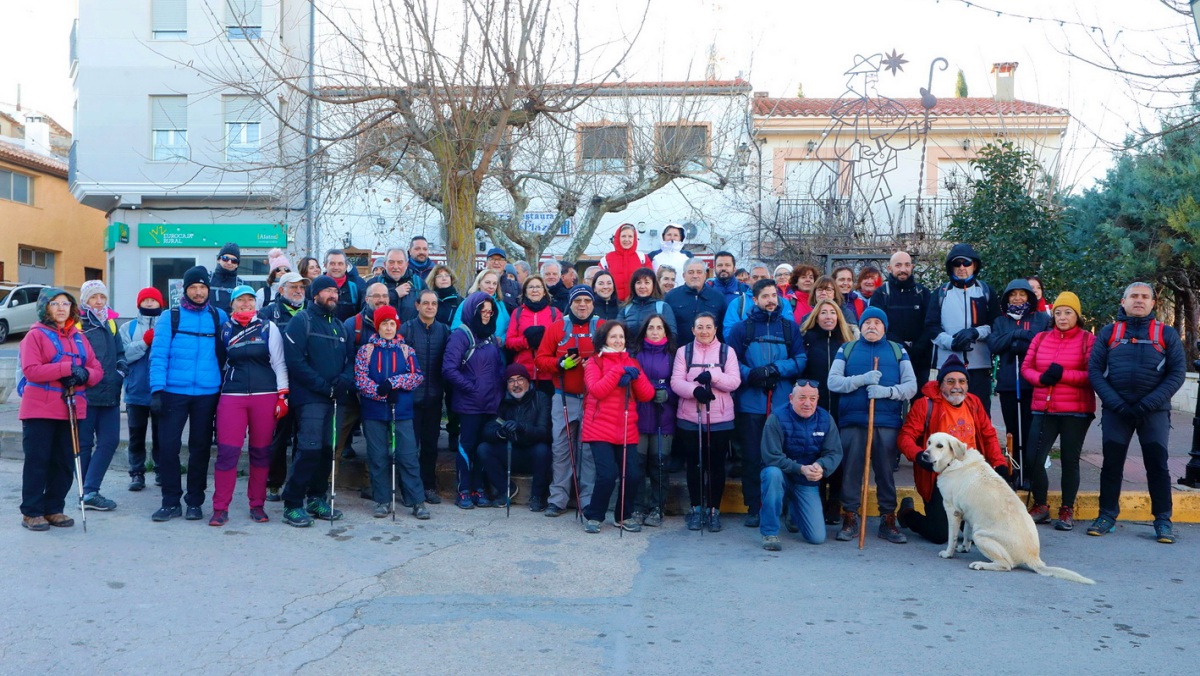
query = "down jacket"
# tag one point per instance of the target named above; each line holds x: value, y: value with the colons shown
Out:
x: 476, y: 378
x: 1134, y: 371
x: 610, y: 412
x: 912, y: 435
x: 656, y: 365
x: 137, y: 355
x: 1070, y: 350
x: 724, y: 382
x: 1010, y: 338
x: 110, y: 352
x: 521, y: 319
x: 37, y: 355
x: 532, y: 415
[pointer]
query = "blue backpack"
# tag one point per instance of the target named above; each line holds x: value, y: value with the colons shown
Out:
x: 80, y: 354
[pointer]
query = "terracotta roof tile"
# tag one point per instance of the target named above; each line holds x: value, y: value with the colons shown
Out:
x: 31, y: 160
x: 945, y: 107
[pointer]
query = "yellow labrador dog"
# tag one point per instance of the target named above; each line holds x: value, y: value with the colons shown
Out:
x: 996, y: 520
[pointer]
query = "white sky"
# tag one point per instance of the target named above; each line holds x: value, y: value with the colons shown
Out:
x: 778, y: 44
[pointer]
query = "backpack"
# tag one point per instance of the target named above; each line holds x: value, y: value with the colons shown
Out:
x: 1156, y: 334
x: 722, y: 356
x: 847, y: 348
x: 59, y: 353
x: 788, y: 327
x: 216, y: 319
x: 471, y: 349
x: 568, y: 335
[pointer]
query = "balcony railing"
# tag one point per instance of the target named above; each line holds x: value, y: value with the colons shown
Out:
x: 925, y: 218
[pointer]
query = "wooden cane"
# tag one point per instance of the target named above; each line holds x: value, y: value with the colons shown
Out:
x: 862, y: 504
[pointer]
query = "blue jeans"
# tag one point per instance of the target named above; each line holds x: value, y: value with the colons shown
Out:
x: 101, y: 429
x: 803, y: 499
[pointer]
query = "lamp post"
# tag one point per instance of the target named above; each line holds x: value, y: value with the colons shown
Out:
x: 1191, y: 476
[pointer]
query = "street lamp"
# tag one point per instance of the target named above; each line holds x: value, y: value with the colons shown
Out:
x: 1195, y: 18
x: 1191, y: 475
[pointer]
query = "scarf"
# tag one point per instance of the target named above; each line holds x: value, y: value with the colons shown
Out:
x: 1017, y: 310
x: 656, y: 343
x: 609, y: 350
x: 187, y: 304
x: 244, y: 317
x: 150, y: 312
x: 538, y: 306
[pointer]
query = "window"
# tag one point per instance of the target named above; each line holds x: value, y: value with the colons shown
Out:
x: 243, y: 19
x: 685, y: 145
x: 33, y: 257
x: 604, y: 149
x: 168, y: 19
x: 243, y: 122
x: 93, y: 273
x: 16, y: 187
x: 166, y: 275
x: 168, y: 128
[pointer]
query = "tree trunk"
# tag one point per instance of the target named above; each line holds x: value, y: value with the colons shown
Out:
x: 459, y: 197
x: 1190, y: 307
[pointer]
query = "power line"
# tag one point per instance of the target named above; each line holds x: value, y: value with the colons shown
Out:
x: 1062, y: 23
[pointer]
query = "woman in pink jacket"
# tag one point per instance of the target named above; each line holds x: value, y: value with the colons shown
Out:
x: 705, y: 375
x: 527, y: 325
x: 1063, y: 405
x: 54, y: 355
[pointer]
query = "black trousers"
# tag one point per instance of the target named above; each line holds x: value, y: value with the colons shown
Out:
x: 284, y: 437
x: 313, y: 460
x: 427, y: 423
x: 49, y: 464
x: 933, y: 525
x: 1023, y: 450
x: 199, y: 413
x: 139, y: 418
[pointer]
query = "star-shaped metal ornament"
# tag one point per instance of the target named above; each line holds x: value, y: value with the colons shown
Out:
x: 894, y: 62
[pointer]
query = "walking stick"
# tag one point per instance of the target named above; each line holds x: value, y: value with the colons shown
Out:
x: 508, y: 479
x: 69, y: 396
x: 570, y: 446
x: 333, y: 465
x: 862, y: 504
x: 700, y: 462
x: 392, y: 460
x: 1020, y: 441
x: 661, y: 493
x: 624, y: 460
x: 708, y: 437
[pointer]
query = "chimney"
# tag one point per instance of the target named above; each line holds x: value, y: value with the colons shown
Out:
x: 1005, y: 75
x: 37, y: 135
x: 761, y: 95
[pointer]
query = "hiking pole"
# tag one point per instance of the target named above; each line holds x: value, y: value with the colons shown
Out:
x: 700, y: 462
x: 508, y: 479
x: 392, y: 460
x: 662, y: 494
x: 69, y: 396
x: 570, y: 449
x: 1020, y: 445
x: 333, y: 465
x: 862, y: 504
x: 624, y: 459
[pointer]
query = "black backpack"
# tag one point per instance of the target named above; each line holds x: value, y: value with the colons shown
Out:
x: 215, y: 335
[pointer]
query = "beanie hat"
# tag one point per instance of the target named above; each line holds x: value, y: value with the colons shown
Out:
x: 379, y: 262
x: 1068, y: 299
x: 384, y: 313
x: 578, y: 291
x: 873, y: 313
x: 510, y: 269
x: 196, y: 275
x: 951, y: 365
x: 516, y: 370
x: 151, y: 293
x: 231, y: 249
x: 91, y: 288
x: 277, y: 259
x: 782, y: 267
x: 321, y: 283
x: 241, y: 290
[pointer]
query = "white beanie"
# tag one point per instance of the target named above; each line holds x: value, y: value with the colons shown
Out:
x: 91, y: 288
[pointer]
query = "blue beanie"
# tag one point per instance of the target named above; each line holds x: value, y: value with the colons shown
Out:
x: 873, y: 313
x: 581, y: 290
x: 321, y: 283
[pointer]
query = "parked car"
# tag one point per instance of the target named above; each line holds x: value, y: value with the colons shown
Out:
x: 18, y: 309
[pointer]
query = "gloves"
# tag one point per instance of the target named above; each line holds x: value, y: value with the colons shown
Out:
x: 384, y: 389
x: 757, y: 377
x: 533, y: 336
x: 879, y: 392
x: 772, y: 375
x: 148, y: 337
x: 660, y: 396
x: 923, y: 462
x: 1053, y: 374
x: 343, y: 387
x: 703, y: 395
x: 281, y: 405
x: 123, y: 368
x: 631, y: 374
x: 156, y: 403
x: 1004, y: 471
x: 79, y: 376
x: 1126, y: 411
x: 510, y: 429
x: 704, y: 378
x: 1142, y: 410
x: 568, y: 362
x: 868, y: 378
x: 963, y: 340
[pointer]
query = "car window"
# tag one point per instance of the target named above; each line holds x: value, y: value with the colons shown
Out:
x: 22, y: 296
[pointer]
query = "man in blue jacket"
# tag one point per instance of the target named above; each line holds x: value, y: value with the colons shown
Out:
x: 185, y: 382
x: 1136, y: 366
x: 740, y: 307
x: 771, y: 355
x: 321, y: 367
x: 724, y: 266
x: 692, y: 298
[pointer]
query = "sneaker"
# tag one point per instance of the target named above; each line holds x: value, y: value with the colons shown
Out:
x: 60, y: 520
x: 751, y: 520
x: 653, y: 519
x: 320, y: 509
x: 420, y: 512
x: 1162, y: 531
x: 432, y: 497
x: 631, y: 525
x: 167, y: 513
x: 849, y: 529
x: 694, y: 519
x: 888, y: 530
x: 220, y: 517
x: 1103, y: 525
x: 480, y: 499
x: 714, y: 521
x: 259, y: 515
x: 640, y: 517
x: 137, y: 482
x: 771, y: 543
x: 193, y: 513
x: 1066, y: 518
x: 464, y: 501
x: 297, y: 517
x: 1040, y: 513
x: 99, y: 503
x: 382, y: 509
x: 35, y: 523
x: 553, y: 510
x: 273, y: 495
x: 790, y: 524
x: 537, y: 505
x: 592, y: 527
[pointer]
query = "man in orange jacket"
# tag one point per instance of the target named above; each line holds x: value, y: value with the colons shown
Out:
x: 946, y: 407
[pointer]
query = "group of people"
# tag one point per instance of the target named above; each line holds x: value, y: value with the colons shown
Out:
x: 592, y: 386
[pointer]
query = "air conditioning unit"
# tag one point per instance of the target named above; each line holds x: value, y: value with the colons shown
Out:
x: 697, y: 232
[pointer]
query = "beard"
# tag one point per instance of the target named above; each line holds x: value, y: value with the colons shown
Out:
x: 955, y: 399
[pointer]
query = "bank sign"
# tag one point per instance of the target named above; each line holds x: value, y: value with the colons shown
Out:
x: 254, y: 235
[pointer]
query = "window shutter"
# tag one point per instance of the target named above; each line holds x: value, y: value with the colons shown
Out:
x: 169, y: 15
x: 242, y: 109
x: 168, y: 112
x: 243, y: 12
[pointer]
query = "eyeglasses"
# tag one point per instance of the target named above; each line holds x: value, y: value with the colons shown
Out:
x: 516, y: 380
x: 962, y: 263
x: 228, y: 259
x: 808, y: 383
x: 59, y: 303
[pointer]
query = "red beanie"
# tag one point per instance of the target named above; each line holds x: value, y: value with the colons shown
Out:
x: 150, y: 292
x: 385, y: 312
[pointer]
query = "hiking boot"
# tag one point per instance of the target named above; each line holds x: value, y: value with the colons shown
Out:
x: 318, y: 508
x: 99, y: 503
x: 137, y: 482
x: 167, y: 513
x: 220, y: 517
x: 771, y: 543
x: 464, y: 501
x: 60, y: 520
x: 653, y: 519
x: 1162, y: 531
x: 790, y: 524
x: 273, y: 495
x: 1103, y: 525
x: 849, y: 529
x: 193, y: 513
x: 432, y: 497
x: 480, y: 499
x: 1066, y: 518
x: 553, y: 510
x: 537, y: 504
x: 714, y: 521
x: 751, y: 520
x: 907, y: 506
x: 1040, y: 513
x: 382, y: 509
x: 638, y: 516
x: 591, y: 527
x: 694, y: 520
x: 297, y: 517
x: 259, y: 515
x: 631, y: 525
x: 888, y: 530
x: 35, y: 523
x: 420, y: 512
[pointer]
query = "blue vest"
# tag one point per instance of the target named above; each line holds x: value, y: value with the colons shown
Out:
x: 803, y: 438
x: 248, y: 358
x: 853, y: 408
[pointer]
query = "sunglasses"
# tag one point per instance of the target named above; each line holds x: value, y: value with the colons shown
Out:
x: 283, y: 271
x: 228, y: 259
x: 962, y: 263
x: 808, y: 383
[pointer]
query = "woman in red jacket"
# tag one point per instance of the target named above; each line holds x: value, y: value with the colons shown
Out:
x: 527, y: 326
x: 1063, y: 404
x: 615, y: 384
x: 624, y: 259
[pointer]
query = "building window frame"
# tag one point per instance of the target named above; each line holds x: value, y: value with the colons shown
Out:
x: 604, y: 156
x: 243, y: 19
x: 16, y: 187
x: 691, y: 164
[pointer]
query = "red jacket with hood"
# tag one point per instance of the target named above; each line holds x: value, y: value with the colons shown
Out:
x: 912, y: 435
x: 609, y: 416
x: 622, y: 262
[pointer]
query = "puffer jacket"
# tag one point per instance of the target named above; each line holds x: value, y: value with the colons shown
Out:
x: 740, y: 308
x: 1136, y: 372
x: 610, y: 411
x: 477, y: 380
x: 762, y: 340
x: 43, y: 398
x: 522, y: 318
x: 821, y: 348
x: 501, y: 319
x: 656, y: 364
x: 532, y: 415
x: 911, y: 439
x: 110, y: 352
x: 960, y: 304
x: 622, y: 262
x: 351, y: 294
x: 607, y: 308
x: 1070, y: 350
x: 724, y: 382
x: 639, y: 309
x: 429, y: 342
x: 137, y: 355
x: 406, y: 307
x: 318, y: 353
x: 1010, y: 338
x: 389, y: 360
x: 854, y: 406
x: 687, y: 302
x: 187, y: 363
x: 220, y: 287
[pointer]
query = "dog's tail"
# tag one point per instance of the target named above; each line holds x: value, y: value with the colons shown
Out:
x: 1041, y: 568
